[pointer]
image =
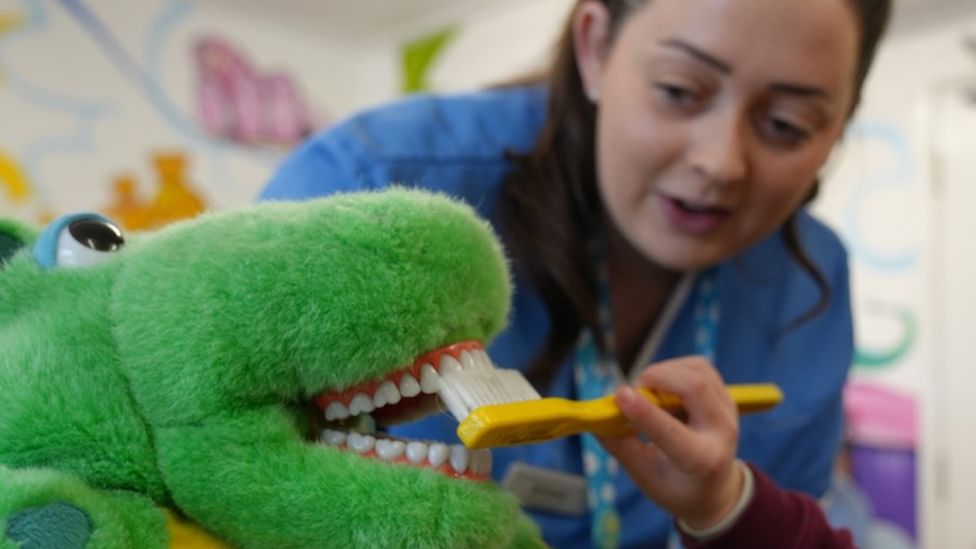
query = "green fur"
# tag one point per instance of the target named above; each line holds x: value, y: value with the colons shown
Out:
x: 171, y: 374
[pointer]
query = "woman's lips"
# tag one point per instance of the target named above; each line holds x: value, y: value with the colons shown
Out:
x: 690, y: 218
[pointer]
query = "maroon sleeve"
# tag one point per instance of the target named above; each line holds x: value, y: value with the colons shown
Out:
x: 777, y: 518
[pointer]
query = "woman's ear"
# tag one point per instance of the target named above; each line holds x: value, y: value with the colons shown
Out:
x: 591, y: 43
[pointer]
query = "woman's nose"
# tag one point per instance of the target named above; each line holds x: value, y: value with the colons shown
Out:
x: 718, y: 149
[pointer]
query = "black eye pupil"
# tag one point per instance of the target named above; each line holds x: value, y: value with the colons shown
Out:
x: 97, y: 235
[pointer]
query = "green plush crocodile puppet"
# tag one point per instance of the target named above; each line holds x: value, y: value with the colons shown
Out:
x: 176, y: 371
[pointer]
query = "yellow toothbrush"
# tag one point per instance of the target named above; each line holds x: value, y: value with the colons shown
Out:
x: 501, y: 409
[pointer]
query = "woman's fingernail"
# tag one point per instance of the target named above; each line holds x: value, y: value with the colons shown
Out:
x: 625, y: 395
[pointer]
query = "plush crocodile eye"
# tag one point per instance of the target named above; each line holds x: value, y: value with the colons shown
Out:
x: 86, y: 242
x: 94, y: 234
x: 80, y: 240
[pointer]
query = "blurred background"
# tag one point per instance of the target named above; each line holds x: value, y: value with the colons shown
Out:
x: 156, y: 110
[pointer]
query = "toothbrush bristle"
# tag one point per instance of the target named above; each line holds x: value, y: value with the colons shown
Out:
x: 463, y: 391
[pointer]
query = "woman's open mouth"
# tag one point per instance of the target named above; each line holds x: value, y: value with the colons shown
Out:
x: 690, y: 217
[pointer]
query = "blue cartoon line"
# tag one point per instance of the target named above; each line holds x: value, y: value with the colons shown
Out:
x: 145, y: 77
x: 129, y: 67
x: 898, y: 175
x: 170, y: 17
x: 85, y: 112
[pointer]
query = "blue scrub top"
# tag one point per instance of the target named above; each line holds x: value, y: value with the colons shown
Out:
x: 458, y: 145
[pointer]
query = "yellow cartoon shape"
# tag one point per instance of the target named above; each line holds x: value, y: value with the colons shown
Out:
x: 13, y: 179
x: 175, y: 198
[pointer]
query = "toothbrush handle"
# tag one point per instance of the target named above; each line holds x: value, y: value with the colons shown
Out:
x: 544, y: 419
x: 602, y: 416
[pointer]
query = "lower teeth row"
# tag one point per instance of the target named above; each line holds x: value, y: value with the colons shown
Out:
x: 435, y: 454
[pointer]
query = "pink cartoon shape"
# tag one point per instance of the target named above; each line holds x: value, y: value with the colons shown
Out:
x: 235, y: 102
x: 884, y: 434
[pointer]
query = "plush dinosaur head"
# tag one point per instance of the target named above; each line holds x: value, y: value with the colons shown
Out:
x: 193, y: 368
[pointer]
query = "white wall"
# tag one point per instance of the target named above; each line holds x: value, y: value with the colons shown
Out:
x: 497, y: 44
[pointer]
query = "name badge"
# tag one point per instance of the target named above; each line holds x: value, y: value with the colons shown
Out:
x: 546, y: 490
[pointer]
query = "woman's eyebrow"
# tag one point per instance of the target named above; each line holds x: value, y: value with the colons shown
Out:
x: 799, y: 90
x: 790, y: 88
x: 697, y: 53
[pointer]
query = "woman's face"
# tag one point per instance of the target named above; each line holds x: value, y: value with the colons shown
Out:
x: 714, y: 117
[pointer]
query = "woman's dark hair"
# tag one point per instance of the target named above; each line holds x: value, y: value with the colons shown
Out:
x: 550, y: 197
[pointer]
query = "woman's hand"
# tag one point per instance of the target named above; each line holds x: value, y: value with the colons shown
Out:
x: 688, y: 468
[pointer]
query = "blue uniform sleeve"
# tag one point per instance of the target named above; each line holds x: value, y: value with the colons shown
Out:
x: 797, y: 443
x: 828, y: 339
x: 323, y: 165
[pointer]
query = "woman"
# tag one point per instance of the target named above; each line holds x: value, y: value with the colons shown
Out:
x: 651, y: 195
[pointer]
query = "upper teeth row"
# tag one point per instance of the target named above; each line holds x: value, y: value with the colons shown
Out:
x: 461, y: 459
x: 390, y: 393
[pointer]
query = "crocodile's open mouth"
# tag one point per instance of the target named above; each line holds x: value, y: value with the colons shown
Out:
x: 353, y: 415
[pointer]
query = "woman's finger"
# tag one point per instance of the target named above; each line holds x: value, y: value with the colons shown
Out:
x: 631, y: 452
x: 641, y: 460
x: 703, y: 394
x: 675, y: 439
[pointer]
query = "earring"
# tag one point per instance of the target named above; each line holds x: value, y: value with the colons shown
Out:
x: 593, y: 95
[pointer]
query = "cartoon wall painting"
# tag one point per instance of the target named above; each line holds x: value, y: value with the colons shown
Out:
x: 8, y: 22
x: 175, y: 197
x: 13, y: 180
x: 881, y: 357
x: 417, y: 58
x: 236, y: 102
x: 883, y: 433
x: 18, y: 196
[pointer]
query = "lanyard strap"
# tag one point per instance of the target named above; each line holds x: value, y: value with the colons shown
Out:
x: 597, y: 373
x: 708, y: 311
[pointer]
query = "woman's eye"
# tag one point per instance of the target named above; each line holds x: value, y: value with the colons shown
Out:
x: 784, y: 132
x: 677, y: 95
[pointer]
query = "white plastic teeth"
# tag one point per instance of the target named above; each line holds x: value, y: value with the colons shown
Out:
x: 333, y: 438
x: 416, y: 452
x: 422, y: 454
x: 360, y: 404
x: 437, y: 454
x: 476, y: 359
x: 359, y: 443
x: 429, y: 380
x: 389, y: 450
x: 409, y: 386
x: 336, y: 410
x: 449, y: 364
x: 459, y: 458
x: 388, y: 392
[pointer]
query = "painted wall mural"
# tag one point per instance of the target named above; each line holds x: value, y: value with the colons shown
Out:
x: 91, y: 86
x: 879, y: 256
x: 13, y: 179
x: 868, y: 357
x: 9, y: 20
x: 175, y: 197
x: 880, y: 177
x: 893, y: 171
x: 237, y: 102
x: 418, y: 57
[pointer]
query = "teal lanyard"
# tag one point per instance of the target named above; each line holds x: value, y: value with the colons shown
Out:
x: 598, y: 374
